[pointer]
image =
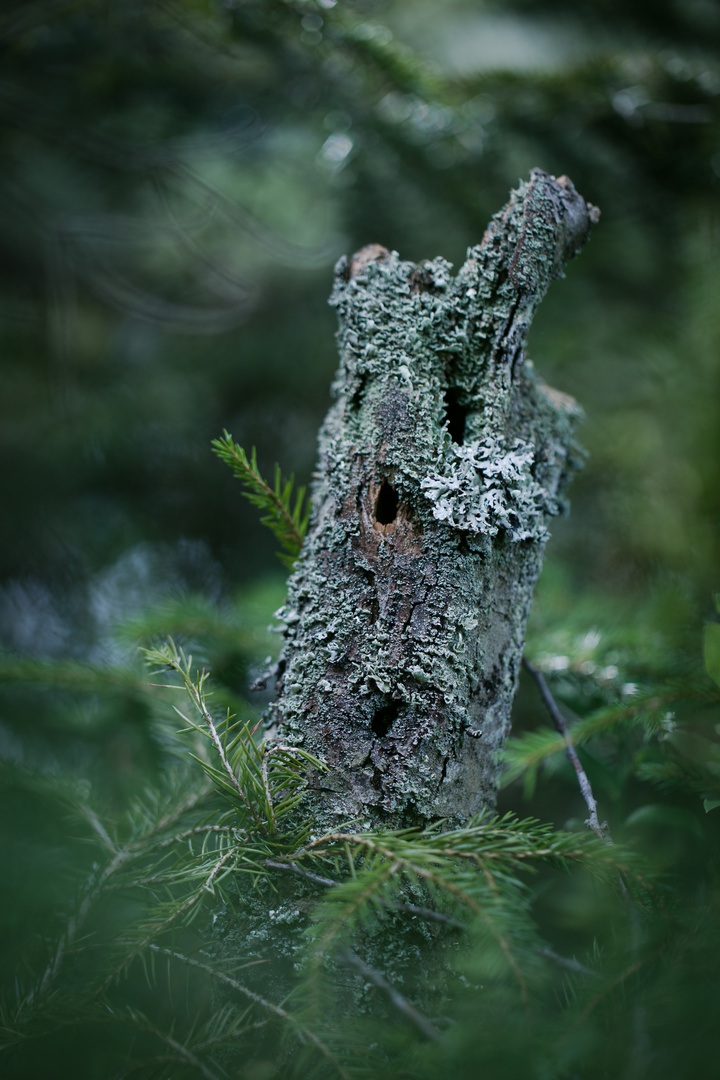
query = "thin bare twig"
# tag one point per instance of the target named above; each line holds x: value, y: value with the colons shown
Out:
x: 295, y: 869
x: 98, y: 828
x: 401, y: 1003
x: 567, y: 962
x: 593, y: 822
x: 430, y: 914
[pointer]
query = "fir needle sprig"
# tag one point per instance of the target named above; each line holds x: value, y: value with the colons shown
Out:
x: 285, y: 511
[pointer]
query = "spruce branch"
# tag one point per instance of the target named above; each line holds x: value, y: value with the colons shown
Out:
x: 190, y: 1046
x: 199, y: 830
x: 472, y: 870
x: 648, y: 712
x: 176, y: 660
x: 99, y: 883
x: 386, y: 864
x: 168, y: 915
x: 74, y: 676
x: 507, y: 841
x: 286, y: 511
x: 250, y: 995
x: 265, y: 781
x: 179, y: 1051
x: 429, y: 914
x: 569, y: 963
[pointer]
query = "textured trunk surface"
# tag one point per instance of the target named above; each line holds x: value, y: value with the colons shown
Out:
x: 440, y: 462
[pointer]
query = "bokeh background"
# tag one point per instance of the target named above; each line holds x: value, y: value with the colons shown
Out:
x: 178, y: 179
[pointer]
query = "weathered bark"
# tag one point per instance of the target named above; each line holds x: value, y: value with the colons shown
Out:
x: 440, y: 461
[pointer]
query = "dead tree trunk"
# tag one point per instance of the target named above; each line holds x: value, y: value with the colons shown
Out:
x: 440, y: 462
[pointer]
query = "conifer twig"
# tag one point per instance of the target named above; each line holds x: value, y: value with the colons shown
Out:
x: 400, y: 1002
x: 567, y: 962
x: 593, y: 822
x: 412, y: 909
x: 286, y: 512
x: 430, y: 915
x: 198, y: 700
x: 200, y: 830
x: 258, y: 1000
x: 175, y: 659
x: 295, y: 869
x: 184, y: 1054
x: 193, y: 899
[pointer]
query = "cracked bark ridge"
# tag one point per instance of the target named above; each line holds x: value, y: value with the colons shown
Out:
x: 440, y: 462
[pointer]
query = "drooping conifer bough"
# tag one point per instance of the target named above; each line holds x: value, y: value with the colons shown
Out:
x: 440, y: 462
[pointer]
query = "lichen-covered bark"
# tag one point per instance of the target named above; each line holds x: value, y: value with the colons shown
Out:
x: 440, y: 461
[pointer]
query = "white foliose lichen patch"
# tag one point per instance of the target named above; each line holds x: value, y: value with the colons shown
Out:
x: 486, y: 486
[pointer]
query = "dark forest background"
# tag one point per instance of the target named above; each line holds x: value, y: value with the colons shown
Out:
x: 178, y: 179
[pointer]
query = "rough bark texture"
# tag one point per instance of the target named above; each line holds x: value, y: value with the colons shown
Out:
x: 440, y: 462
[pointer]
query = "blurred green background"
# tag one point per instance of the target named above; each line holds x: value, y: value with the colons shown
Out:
x: 178, y: 180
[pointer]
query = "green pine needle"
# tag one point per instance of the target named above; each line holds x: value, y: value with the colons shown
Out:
x: 286, y: 512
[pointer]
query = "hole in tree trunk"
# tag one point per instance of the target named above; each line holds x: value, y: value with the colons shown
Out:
x: 386, y: 504
x: 384, y: 718
x: 455, y: 415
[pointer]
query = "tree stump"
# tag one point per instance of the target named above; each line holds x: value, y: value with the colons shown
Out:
x: 440, y: 462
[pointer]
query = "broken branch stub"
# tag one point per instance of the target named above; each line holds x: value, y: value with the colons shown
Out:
x: 440, y: 462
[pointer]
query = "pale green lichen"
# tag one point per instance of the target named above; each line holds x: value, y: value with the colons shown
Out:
x: 485, y: 487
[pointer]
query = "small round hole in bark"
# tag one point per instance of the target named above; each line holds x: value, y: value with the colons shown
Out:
x: 455, y: 415
x: 384, y: 718
x: 386, y: 504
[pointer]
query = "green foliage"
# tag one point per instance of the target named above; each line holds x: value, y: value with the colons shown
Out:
x: 712, y: 648
x: 394, y: 938
x: 169, y: 854
x: 262, y: 782
x: 178, y: 182
x: 661, y: 733
x: 471, y: 878
x: 649, y: 715
x: 286, y: 516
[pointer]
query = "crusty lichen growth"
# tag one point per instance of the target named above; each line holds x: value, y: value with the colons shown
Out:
x: 485, y: 488
x: 440, y: 462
